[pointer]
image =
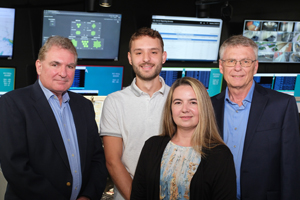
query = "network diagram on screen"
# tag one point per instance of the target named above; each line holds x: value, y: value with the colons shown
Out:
x: 95, y: 35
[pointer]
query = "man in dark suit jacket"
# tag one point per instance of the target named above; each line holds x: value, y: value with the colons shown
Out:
x: 259, y: 125
x: 50, y: 147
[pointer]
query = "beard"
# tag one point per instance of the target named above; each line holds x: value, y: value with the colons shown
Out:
x: 145, y: 76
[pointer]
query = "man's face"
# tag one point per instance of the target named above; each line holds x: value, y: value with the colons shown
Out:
x: 239, y: 77
x: 57, y: 71
x: 146, y: 57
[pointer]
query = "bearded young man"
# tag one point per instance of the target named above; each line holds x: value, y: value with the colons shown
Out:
x: 132, y: 115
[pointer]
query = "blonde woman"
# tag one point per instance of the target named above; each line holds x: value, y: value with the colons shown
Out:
x: 188, y: 160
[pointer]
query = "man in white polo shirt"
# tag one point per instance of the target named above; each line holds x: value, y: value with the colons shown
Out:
x: 134, y: 114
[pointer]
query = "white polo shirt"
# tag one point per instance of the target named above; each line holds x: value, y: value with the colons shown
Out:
x: 133, y: 116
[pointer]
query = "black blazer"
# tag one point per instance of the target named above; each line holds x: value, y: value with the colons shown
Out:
x: 270, y: 167
x: 32, y: 153
x: 214, y: 178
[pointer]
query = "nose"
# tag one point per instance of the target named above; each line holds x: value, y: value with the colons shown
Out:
x: 185, y: 107
x: 238, y: 66
x: 146, y: 57
x: 63, y: 71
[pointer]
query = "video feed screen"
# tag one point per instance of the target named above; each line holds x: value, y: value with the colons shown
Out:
x: 278, y: 41
x: 189, y: 38
x: 281, y: 82
x: 97, y: 80
x: 7, y: 79
x: 7, y: 24
x: 211, y: 78
x: 95, y: 35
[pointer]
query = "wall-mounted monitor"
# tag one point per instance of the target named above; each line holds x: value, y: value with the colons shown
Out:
x: 95, y: 35
x: 278, y: 41
x: 189, y: 38
x: 7, y: 79
x: 7, y: 25
x: 288, y: 83
x: 97, y: 80
x: 210, y: 77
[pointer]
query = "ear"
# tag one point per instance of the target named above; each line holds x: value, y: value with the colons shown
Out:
x: 38, y: 66
x: 164, y: 57
x: 129, y: 58
x: 255, y: 67
x: 220, y: 66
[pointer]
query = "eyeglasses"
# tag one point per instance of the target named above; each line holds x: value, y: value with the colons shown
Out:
x: 243, y: 63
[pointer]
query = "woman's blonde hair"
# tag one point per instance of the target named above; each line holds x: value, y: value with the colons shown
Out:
x: 206, y: 134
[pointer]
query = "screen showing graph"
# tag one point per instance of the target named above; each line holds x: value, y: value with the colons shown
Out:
x: 97, y: 80
x: 210, y: 77
x: 95, y: 35
x: 281, y: 82
x: 7, y: 79
x: 7, y: 23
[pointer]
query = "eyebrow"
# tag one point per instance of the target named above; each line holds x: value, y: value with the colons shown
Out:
x: 140, y: 49
x: 193, y: 99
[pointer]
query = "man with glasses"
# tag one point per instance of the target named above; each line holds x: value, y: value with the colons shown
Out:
x: 259, y: 125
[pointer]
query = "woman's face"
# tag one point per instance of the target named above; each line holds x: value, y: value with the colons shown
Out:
x: 185, y: 108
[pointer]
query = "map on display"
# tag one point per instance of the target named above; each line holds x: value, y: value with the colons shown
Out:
x: 7, y: 18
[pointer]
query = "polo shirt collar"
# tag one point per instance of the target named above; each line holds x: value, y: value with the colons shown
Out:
x: 138, y: 92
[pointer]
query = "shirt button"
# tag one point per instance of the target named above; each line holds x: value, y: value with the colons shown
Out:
x: 72, y: 155
x: 235, y: 128
x: 75, y: 171
x: 234, y: 146
x: 236, y: 111
x: 68, y: 184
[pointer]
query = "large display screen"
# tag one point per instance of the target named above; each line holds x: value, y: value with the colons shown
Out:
x: 97, y: 80
x: 7, y: 25
x: 189, y: 38
x: 7, y: 79
x: 278, y: 41
x: 288, y: 83
x: 210, y: 77
x: 95, y: 35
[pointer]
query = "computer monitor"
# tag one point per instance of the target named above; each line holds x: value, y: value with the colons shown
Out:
x: 278, y: 41
x: 95, y: 35
x: 7, y: 24
x: 288, y: 83
x: 97, y: 80
x: 189, y: 38
x: 210, y: 77
x: 7, y: 79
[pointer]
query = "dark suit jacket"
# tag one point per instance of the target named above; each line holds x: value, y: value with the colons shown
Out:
x: 32, y: 153
x: 270, y: 166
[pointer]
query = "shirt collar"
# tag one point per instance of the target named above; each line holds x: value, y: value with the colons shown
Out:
x: 49, y: 94
x: 138, y: 92
x: 249, y: 96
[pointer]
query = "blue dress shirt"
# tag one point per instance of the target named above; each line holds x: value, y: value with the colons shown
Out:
x: 235, y: 126
x: 65, y: 121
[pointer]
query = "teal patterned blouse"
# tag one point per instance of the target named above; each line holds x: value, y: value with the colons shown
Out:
x: 178, y: 166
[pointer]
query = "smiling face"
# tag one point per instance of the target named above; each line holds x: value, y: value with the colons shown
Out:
x: 146, y: 57
x: 237, y: 77
x: 56, y: 71
x: 185, y: 108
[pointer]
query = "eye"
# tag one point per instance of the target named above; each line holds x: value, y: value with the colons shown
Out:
x: 138, y: 53
x: 71, y: 66
x: 177, y: 102
x: 154, y: 52
x: 194, y: 102
x: 246, y: 61
x: 231, y: 61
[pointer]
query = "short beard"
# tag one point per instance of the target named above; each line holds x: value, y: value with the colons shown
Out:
x: 147, y: 78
